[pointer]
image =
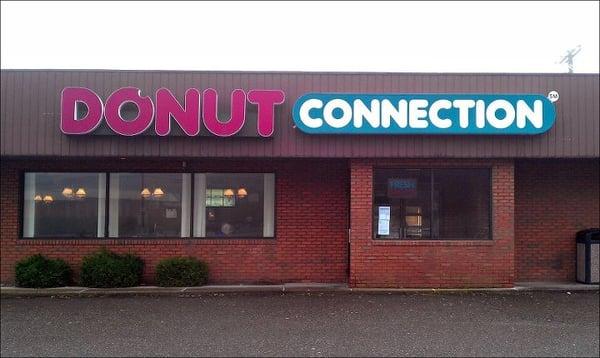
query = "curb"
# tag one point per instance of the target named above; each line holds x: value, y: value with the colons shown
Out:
x: 7, y: 292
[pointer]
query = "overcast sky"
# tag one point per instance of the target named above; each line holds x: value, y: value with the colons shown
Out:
x: 313, y: 36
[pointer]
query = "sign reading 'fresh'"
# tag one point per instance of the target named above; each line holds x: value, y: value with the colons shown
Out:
x: 509, y: 114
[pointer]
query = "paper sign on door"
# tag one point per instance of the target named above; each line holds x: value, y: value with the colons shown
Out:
x: 383, y: 225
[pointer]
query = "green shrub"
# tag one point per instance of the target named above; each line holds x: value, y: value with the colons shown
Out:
x: 40, y: 272
x: 108, y: 269
x: 181, y: 271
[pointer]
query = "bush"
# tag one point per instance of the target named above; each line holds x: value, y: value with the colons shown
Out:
x: 181, y: 271
x: 38, y: 271
x: 108, y: 269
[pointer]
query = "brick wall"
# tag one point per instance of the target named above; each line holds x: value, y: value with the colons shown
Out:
x: 310, y: 227
x: 429, y: 263
x: 554, y: 200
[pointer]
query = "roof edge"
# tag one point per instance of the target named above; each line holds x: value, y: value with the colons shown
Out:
x: 560, y: 74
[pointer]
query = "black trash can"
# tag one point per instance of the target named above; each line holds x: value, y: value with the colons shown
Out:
x: 588, y: 256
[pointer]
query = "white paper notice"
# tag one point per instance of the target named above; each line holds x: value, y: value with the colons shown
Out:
x: 383, y: 225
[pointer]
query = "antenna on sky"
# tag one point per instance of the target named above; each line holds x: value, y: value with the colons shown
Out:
x: 568, y: 58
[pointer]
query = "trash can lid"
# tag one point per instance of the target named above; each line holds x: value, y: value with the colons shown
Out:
x: 587, y: 235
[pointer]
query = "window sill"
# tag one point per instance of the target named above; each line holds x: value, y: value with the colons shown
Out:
x: 147, y: 241
x: 379, y: 242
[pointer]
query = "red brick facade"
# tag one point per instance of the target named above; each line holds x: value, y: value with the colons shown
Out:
x: 311, y: 204
x: 425, y: 263
x: 537, y: 206
x: 554, y: 200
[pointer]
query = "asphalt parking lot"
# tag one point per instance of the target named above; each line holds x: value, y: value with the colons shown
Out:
x: 303, y: 324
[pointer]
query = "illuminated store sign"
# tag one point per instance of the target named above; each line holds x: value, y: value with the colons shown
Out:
x: 454, y: 114
x: 82, y: 111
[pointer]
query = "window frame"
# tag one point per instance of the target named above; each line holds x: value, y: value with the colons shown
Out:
x: 21, y: 203
x: 108, y: 206
x: 106, y: 237
x: 193, y: 208
x: 431, y: 169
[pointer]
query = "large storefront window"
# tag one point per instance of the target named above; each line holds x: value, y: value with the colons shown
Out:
x: 64, y: 205
x: 149, y: 205
x: 234, y: 205
x: 446, y: 204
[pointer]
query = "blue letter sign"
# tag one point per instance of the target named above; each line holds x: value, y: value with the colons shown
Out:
x: 457, y: 114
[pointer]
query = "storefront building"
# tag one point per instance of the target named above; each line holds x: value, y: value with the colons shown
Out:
x: 374, y: 180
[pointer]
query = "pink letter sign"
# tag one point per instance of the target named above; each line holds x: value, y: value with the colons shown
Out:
x: 266, y: 101
x: 69, y: 123
x: 236, y: 120
x: 136, y: 126
x: 187, y: 114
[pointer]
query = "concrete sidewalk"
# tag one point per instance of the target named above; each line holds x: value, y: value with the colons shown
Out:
x: 555, y: 286
x: 169, y: 291
x: 287, y: 287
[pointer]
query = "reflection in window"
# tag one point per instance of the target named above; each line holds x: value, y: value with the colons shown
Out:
x: 220, y: 198
x: 149, y: 205
x: 64, y: 205
x: 462, y: 203
x: 234, y: 205
x: 431, y: 204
